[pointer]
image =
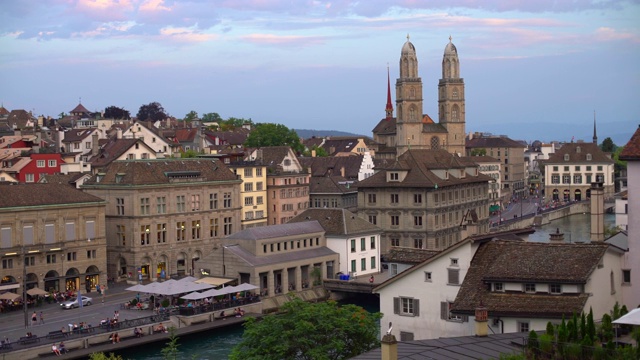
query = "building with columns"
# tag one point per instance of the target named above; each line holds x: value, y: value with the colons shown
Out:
x: 411, y: 128
x: 277, y: 258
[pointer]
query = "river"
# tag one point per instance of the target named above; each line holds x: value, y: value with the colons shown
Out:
x: 216, y: 345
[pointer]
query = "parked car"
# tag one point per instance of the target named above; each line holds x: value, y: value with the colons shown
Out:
x: 73, y: 302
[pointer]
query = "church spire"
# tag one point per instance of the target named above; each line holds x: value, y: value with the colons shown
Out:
x: 595, y: 136
x: 389, y: 109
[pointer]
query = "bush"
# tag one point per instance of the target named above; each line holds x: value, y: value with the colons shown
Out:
x: 550, y: 329
x: 546, y: 344
x: 573, y: 351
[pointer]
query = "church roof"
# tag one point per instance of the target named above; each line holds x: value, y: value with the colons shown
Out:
x: 79, y: 109
x: 450, y: 49
x: 385, y: 126
x: 408, y: 48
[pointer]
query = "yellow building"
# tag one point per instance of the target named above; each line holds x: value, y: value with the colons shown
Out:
x: 253, y: 192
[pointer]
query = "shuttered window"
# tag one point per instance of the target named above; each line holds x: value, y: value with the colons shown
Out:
x: 445, y: 313
x: 406, y: 306
x: 454, y: 276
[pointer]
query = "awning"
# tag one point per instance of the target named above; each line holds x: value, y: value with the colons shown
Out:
x: 9, y: 287
x: 494, y: 208
x: 215, y: 281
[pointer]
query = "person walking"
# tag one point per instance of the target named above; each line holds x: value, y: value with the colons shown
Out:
x: 41, y: 318
x: 34, y: 319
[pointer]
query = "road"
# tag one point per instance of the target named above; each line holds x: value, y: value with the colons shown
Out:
x: 517, y: 209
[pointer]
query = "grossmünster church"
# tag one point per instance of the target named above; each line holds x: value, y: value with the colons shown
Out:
x: 411, y: 128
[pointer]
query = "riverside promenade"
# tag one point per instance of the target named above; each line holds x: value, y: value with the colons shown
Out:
x: 81, y: 345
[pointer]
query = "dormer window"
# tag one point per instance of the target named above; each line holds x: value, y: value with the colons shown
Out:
x: 446, y: 175
x: 566, y: 157
x: 119, y: 178
x: 588, y: 157
x: 394, y: 176
x: 578, y: 149
x: 498, y: 287
x: 99, y: 177
x: 555, y: 289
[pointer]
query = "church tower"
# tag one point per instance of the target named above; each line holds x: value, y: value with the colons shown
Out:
x: 451, y: 105
x: 409, y: 102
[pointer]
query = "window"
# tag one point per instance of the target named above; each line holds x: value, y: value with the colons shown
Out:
x: 51, y: 258
x: 393, y: 176
x: 259, y: 200
x: 555, y: 288
x: 589, y: 168
x: 180, y: 230
x: 613, y: 284
x: 394, y: 269
x: 427, y: 276
x: 72, y: 256
x: 372, y: 198
x: 566, y: 168
x: 445, y: 313
x: 28, y: 178
x: 372, y: 244
x: 29, y: 260
x: 566, y: 179
x: 566, y: 157
x: 498, y: 287
x: 373, y: 262
x: 529, y: 287
x: 195, y: 202
x: 395, y: 220
x: 7, y: 263
x: 363, y: 264
x: 599, y: 167
x: 248, y: 172
x: 395, y: 242
x: 417, y: 220
x: 227, y: 200
x: 40, y: 163
x: 523, y: 326
x: 395, y: 198
x: 144, y: 206
x: 91, y: 254
x: 555, y: 168
x: 195, y: 229
x: 353, y: 245
x: 145, y: 234
x: 363, y: 244
x: 588, y: 157
x: 555, y: 179
x: 453, y: 277
x: 258, y: 171
x: 373, y: 219
x: 53, y: 163
x: 213, y: 227
x: 577, y: 179
x: 180, y: 203
x: 213, y: 201
x: 259, y: 186
x: 417, y: 198
x: 353, y: 262
x: 161, y: 204
x: 406, y: 306
x: 228, y: 226
x: 417, y: 243
x: 626, y: 277
x: 161, y: 233
x: 248, y: 201
x: 70, y: 231
x: 577, y: 167
x: 120, y: 234
x: 248, y: 187
x: 120, y: 206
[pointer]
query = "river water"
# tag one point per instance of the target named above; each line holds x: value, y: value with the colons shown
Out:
x: 216, y: 345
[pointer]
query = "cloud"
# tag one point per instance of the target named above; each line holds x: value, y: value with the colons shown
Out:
x: 105, y: 10
x: 154, y: 6
x: 283, y: 40
x: 609, y: 34
x: 185, y: 35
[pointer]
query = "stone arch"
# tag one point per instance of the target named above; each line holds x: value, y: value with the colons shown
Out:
x: 162, y: 267
x: 92, y: 270
x: 556, y: 194
x: 455, y: 111
x: 122, y: 266
x: 435, y: 143
x: 8, y: 279
x: 32, y: 280
x: 405, y: 68
x: 181, y: 263
x: 577, y: 195
x: 72, y: 272
x: 52, y: 281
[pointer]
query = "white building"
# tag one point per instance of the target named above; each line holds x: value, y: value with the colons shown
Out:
x: 622, y: 210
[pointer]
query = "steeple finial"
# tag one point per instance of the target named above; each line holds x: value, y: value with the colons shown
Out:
x: 407, y: 36
x: 389, y: 109
x: 450, y: 38
x: 595, y: 135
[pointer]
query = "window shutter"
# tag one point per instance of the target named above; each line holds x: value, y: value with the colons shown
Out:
x: 49, y: 234
x: 70, y: 231
x: 396, y: 305
x: 27, y: 235
x: 416, y: 307
x: 444, y: 310
x: 454, y: 276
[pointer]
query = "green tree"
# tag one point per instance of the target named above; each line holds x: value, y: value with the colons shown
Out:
x: 479, y: 152
x: 563, y: 332
x: 211, y: 117
x: 152, y: 111
x: 188, y: 154
x: 103, y: 356
x: 192, y: 115
x: 170, y: 350
x: 304, y: 331
x: 61, y: 115
x: 608, y: 145
x: 550, y: 329
x: 320, y: 152
x: 607, y: 328
x: 114, y: 112
x: 233, y: 122
x: 583, y: 326
x: 591, y: 326
x: 268, y: 134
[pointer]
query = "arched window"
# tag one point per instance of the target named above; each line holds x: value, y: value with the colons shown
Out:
x: 455, y: 93
x: 405, y: 68
x: 454, y: 112
x: 412, y: 93
x: 442, y: 112
x: 435, y: 143
x: 447, y: 69
x: 412, y: 113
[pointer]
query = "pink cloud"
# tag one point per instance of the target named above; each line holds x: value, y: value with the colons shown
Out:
x: 609, y: 34
x: 153, y: 6
x: 185, y: 35
x: 286, y: 40
x: 105, y: 10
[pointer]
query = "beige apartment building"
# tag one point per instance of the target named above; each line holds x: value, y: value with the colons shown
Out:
x: 428, y: 199
x: 163, y: 215
x: 52, y: 237
x: 253, y: 192
x: 287, y: 183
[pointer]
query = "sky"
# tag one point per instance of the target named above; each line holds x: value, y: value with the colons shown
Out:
x: 532, y: 69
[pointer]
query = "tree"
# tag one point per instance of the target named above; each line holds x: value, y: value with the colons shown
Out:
x: 268, y: 134
x: 304, y: 331
x: 114, y: 112
x: 103, y: 356
x: 152, y: 111
x: 211, y: 117
x: 192, y: 115
x: 479, y: 152
x: 170, y: 350
x: 608, y: 145
x: 233, y: 122
x: 320, y: 152
x: 61, y: 115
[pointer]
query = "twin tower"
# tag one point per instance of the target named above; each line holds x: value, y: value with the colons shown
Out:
x: 414, y: 129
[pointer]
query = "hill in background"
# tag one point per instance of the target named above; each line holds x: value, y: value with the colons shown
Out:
x: 307, y: 134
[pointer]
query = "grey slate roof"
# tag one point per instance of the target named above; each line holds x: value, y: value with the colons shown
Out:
x: 493, y: 142
x: 41, y: 194
x: 152, y: 172
x: 333, y: 165
x: 275, y: 231
x: 278, y: 258
x: 406, y: 255
x: 332, y: 185
x: 336, y: 221
x: 597, y: 155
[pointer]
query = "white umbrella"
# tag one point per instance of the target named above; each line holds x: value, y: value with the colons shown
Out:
x: 9, y: 296
x: 245, y: 287
x: 631, y: 318
x: 36, y: 291
x: 137, y: 288
x: 193, y: 296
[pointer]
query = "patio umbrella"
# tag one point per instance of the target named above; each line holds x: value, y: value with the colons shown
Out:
x: 245, y: 287
x: 631, y: 318
x: 193, y: 296
x: 137, y: 288
x: 36, y: 291
x: 9, y: 296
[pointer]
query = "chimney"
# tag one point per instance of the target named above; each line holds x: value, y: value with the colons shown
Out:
x: 342, y: 171
x: 119, y: 133
x: 557, y: 237
x: 94, y: 144
x: 313, y: 153
x: 389, y: 347
x: 482, y: 315
x: 597, y: 211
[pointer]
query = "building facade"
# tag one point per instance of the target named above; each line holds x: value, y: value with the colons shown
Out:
x: 163, y: 215
x: 253, y: 192
x: 52, y: 236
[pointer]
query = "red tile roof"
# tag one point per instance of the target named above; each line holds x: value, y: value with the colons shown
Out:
x: 631, y: 151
